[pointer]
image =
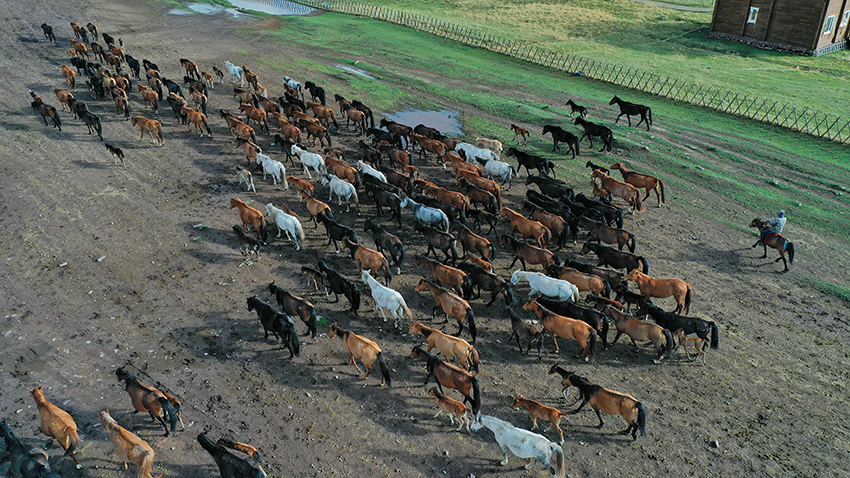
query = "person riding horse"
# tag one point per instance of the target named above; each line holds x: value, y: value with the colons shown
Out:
x: 772, y: 226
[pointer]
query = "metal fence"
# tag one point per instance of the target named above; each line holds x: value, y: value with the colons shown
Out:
x: 803, y: 119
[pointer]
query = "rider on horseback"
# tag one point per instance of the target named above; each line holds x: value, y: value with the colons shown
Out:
x: 772, y: 226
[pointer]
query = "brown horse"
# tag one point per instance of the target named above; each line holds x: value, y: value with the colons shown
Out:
x: 63, y: 97
x: 451, y: 406
x: 526, y: 253
x: 258, y: 115
x: 250, y: 215
x: 777, y: 242
x: 323, y: 113
x: 191, y: 68
x: 242, y: 130
x: 198, y: 119
x: 249, y: 148
x: 451, y: 305
x: 292, y: 305
x: 290, y: 132
x: 640, y: 331
x: 57, y: 424
x: 483, y: 183
x: 583, y: 281
x: 446, y: 275
x: 128, y: 446
x: 451, y: 376
x: 538, y: 410
x: 650, y: 183
x: 445, y: 196
x: 652, y: 287
x: 556, y: 224
x: 428, y: 145
x: 150, y: 97
x: 152, y: 127
x: 315, y: 207
x: 620, y: 189
x: 314, y: 132
x: 343, y: 171
x: 353, y: 115
x: 565, y: 327
x: 458, y: 163
x: 600, y: 193
x: 364, y: 349
x: 148, y: 399
x: 473, y: 242
x: 252, y: 78
x: 449, y: 346
x: 528, y: 228
x: 599, y: 232
x: 370, y: 258
x: 301, y: 185
x: 520, y: 132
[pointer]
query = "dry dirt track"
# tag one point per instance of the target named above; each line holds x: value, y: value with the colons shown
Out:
x: 168, y: 300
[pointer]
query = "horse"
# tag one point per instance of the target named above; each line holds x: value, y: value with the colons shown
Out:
x: 484, y: 279
x: 556, y: 223
x: 449, y: 346
x: 776, y: 241
x: 639, y: 331
x: 528, y: 228
x: 384, y: 198
x: 58, y: 425
x: 620, y: 189
x: 531, y: 161
x: 600, y: 193
x: 397, y: 128
x: 650, y: 183
x: 232, y: 462
x: 294, y: 85
x: 128, y: 446
x: 696, y: 343
x: 612, y: 215
x: 372, y: 259
x: 439, y: 240
x: 343, y: 189
x: 323, y: 113
x: 23, y: 462
x: 608, y: 256
x: 117, y: 154
x: 94, y: 125
x: 483, y: 183
x: 250, y: 215
x: 292, y: 305
x: 599, y: 232
x: 554, y: 188
x: 521, y: 329
x: 545, y: 285
x: 427, y: 215
x: 629, y: 297
x: 474, y: 153
x: 574, y: 108
x: 479, y: 216
x: 198, y: 119
x: 365, y: 169
x: 446, y: 275
x: 309, y: 160
x: 288, y: 223
x: 316, y: 92
x: 236, y: 73
x: 387, y: 299
x: 691, y: 325
x: 281, y: 325
x: 527, y: 253
x: 451, y: 304
x: 450, y: 376
x: 342, y: 170
x: 46, y: 111
x: 335, y: 230
x: 592, y: 317
x: 498, y: 169
x: 520, y: 132
x: 478, y: 196
x: 48, y: 32
x: 258, y: 115
x: 538, y: 410
x: 524, y: 444
x: 630, y: 109
x: 652, y: 287
x: 386, y: 241
x: 559, y: 135
x: 473, y: 242
x: 593, y: 129
x: 605, y: 400
x: 452, y: 407
x: 248, y: 244
x: 148, y: 399
x: 589, y: 282
x: 339, y: 284
x: 353, y: 115
x: 557, y: 325
x: 152, y: 127
x: 493, y: 145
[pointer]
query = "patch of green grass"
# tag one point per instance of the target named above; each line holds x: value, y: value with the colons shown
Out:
x: 835, y: 290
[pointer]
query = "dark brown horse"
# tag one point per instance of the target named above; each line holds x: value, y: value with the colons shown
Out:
x: 473, y: 242
x: 599, y: 232
x: 614, y: 258
x: 527, y: 253
x: 451, y: 376
x: 293, y: 305
x: 630, y: 109
x: 777, y: 242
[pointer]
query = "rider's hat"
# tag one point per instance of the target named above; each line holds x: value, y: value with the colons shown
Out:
x: 781, y: 213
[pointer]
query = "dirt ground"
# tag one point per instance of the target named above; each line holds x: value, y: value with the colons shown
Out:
x: 103, y: 268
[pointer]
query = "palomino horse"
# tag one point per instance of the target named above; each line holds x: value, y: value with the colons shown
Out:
x: 519, y: 223
x: 630, y: 109
x: 638, y: 180
x: 605, y: 400
x: 640, y: 331
x: 652, y: 287
x: 448, y: 345
x: 450, y: 376
x: 565, y: 327
x: 152, y: 127
x: 538, y: 410
x: 250, y: 215
x: 524, y: 444
x: 58, y: 425
x: 620, y: 189
x: 777, y: 242
x: 128, y: 446
x: 232, y: 462
x: 364, y: 349
x: 148, y: 399
x: 451, y: 304
x: 292, y: 305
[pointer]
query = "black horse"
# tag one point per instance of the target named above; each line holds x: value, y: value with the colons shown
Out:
x: 554, y: 188
x: 630, y: 109
x: 559, y: 135
x: 316, y: 92
x: 92, y: 121
x: 628, y: 297
x: 339, y: 284
x: 611, y: 215
x: 134, y: 65
x: 384, y: 198
x: 386, y: 241
x: 285, y: 146
x: 379, y: 135
x: 176, y: 106
x: 48, y: 32
x: 438, y: 240
x: 588, y: 315
x: 616, y: 259
x: 370, y: 154
x: 279, y: 324
x: 478, y: 216
x: 691, y: 325
x: 232, y: 463
x: 336, y: 231
x: 25, y: 462
x: 292, y: 305
x: 581, y: 110
x: 522, y: 329
x: 482, y: 279
x: 593, y: 129
x: 427, y: 131
x: 531, y: 161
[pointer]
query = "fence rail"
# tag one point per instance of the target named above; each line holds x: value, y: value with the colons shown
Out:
x: 805, y: 120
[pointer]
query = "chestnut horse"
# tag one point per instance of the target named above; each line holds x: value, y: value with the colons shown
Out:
x: 364, y: 349
x: 527, y: 253
x: 473, y: 242
x: 446, y: 275
x: 538, y: 410
x: 250, y: 215
x: 620, y: 189
x: 640, y: 331
x: 777, y: 242
x: 451, y: 376
x: 650, y: 183
x: 148, y: 399
x: 541, y: 234
x: 565, y: 327
x: 152, y: 127
x: 370, y: 258
x: 451, y: 305
x: 652, y: 287
x: 448, y: 345
x: 488, y: 185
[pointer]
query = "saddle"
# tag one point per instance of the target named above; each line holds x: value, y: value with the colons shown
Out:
x: 770, y: 236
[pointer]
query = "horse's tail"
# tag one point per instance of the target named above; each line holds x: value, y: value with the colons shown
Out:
x: 649, y: 114
x: 671, y: 344
x: 492, y: 251
x: 328, y: 136
x: 322, y: 97
x: 294, y: 343
x: 474, y: 361
x: 606, y: 289
x: 559, y: 466
x: 661, y: 187
x: 688, y: 296
x: 314, y: 329
x: 715, y: 336
x: 646, y: 269
x: 638, y: 201
x: 399, y: 256
x: 632, y: 243
x: 73, y: 441
x: 641, y: 419
x: 547, y: 235
x: 204, y: 103
x: 385, y: 370
x: 172, y: 412
x: 99, y: 127
x: 470, y: 321
x: 55, y: 116
x: 466, y: 287
x: 147, y: 464
x: 207, y: 126
x: 476, y: 396
x: 789, y: 246
x: 388, y: 276
x: 407, y: 311
x: 300, y: 231
x: 591, y: 346
x: 262, y: 230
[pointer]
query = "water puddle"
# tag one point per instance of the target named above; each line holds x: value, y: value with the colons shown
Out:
x: 444, y: 120
x: 356, y: 71
x: 273, y: 7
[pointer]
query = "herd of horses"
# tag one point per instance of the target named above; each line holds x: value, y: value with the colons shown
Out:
x: 395, y: 179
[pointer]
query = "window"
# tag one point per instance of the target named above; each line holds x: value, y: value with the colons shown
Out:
x: 844, y: 19
x: 830, y: 22
x: 754, y: 13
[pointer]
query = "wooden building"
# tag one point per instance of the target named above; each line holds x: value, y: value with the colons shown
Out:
x: 809, y: 27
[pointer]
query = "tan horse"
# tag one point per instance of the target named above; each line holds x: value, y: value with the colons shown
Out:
x: 640, y: 331
x: 527, y: 227
x: 600, y: 193
x: 315, y: 207
x: 451, y: 406
x: 128, y: 446
x: 370, y: 258
x: 152, y: 127
x: 250, y: 215
x: 451, y: 305
x: 198, y: 119
x: 63, y: 97
x: 538, y: 410
x: 323, y: 113
x: 69, y: 75
x: 620, y: 189
x: 364, y: 349
x: 645, y: 181
x: 290, y: 132
x: 191, y: 68
x: 258, y: 115
x: 57, y: 424
x: 556, y: 224
x: 242, y: 130
x: 661, y: 288
x: 565, y: 327
x: 448, y: 345
x: 588, y: 282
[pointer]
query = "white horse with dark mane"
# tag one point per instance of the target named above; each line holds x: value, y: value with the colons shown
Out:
x: 236, y: 73
x: 473, y: 153
x: 545, y: 285
x: 364, y: 168
x: 286, y: 223
x: 428, y: 215
x: 343, y: 190
x: 387, y: 299
x: 498, y: 169
x: 524, y: 444
x: 275, y: 168
x: 309, y: 160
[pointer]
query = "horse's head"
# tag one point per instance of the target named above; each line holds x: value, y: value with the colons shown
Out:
x: 633, y: 274
x: 757, y: 223
x: 333, y: 331
x: 614, y: 100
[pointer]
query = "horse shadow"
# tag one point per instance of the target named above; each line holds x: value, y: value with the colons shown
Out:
x: 91, y: 165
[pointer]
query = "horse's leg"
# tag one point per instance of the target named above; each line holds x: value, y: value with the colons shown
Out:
x: 504, y: 449
x: 598, y: 415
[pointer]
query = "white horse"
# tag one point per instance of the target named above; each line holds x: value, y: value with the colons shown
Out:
x: 524, y: 444
x: 294, y: 85
x: 389, y: 299
x: 309, y: 160
x: 428, y: 215
x: 498, y: 169
x: 545, y: 285
x: 343, y: 190
x: 366, y: 169
x: 275, y: 168
x: 236, y: 73
x: 473, y: 153
x: 286, y: 223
